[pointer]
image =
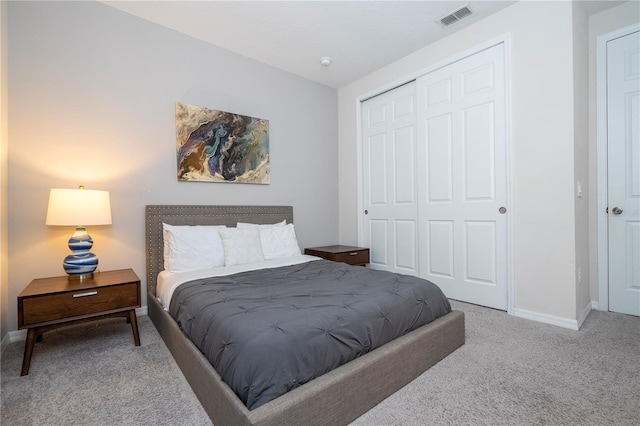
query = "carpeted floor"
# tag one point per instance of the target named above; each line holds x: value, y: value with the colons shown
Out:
x: 92, y: 374
x: 511, y: 371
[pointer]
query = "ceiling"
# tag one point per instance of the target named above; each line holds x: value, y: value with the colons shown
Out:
x: 359, y: 36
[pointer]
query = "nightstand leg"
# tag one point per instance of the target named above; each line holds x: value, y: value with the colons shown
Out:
x: 28, y: 351
x: 134, y: 326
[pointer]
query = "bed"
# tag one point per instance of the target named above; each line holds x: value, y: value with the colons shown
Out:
x: 336, y: 397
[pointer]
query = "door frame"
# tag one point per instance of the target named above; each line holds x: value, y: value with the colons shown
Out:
x: 504, y: 39
x: 602, y: 160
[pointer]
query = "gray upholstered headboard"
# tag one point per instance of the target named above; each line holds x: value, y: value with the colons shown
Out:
x: 155, y: 216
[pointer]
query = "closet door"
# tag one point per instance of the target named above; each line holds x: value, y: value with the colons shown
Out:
x: 461, y: 149
x: 389, y: 180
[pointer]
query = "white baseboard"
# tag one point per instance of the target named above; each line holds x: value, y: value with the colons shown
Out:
x: 16, y: 336
x: 594, y: 305
x: 584, y: 314
x: 4, y: 343
x: 546, y: 318
x: 21, y: 335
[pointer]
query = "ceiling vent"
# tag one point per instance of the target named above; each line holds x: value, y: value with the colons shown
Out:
x: 455, y: 16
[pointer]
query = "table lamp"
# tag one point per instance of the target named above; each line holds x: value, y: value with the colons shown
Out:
x: 79, y: 207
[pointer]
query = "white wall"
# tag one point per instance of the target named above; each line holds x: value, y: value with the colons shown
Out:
x: 543, y: 208
x: 581, y: 153
x: 602, y: 23
x: 92, y: 93
x: 4, y: 258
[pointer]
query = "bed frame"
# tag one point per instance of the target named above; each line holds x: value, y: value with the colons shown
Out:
x: 337, y: 397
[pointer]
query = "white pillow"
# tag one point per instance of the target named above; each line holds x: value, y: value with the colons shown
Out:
x: 279, y: 242
x: 246, y: 225
x: 188, y: 248
x: 241, y: 245
x: 278, y: 239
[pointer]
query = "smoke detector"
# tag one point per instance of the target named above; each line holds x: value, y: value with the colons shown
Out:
x: 325, y: 61
x: 455, y: 16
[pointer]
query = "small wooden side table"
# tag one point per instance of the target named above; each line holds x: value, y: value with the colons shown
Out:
x: 49, y: 303
x: 339, y: 253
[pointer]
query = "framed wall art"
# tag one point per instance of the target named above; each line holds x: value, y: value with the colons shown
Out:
x: 219, y: 146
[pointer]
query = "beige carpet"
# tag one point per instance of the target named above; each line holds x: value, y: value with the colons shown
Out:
x: 510, y: 372
x: 513, y: 371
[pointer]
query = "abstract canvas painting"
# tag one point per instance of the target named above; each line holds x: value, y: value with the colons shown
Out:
x: 219, y: 146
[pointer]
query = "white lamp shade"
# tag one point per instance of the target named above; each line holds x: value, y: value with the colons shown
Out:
x: 78, y: 207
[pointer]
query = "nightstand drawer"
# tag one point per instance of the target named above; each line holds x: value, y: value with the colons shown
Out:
x: 356, y: 257
x: 339, y: 253
x: 81, y: 302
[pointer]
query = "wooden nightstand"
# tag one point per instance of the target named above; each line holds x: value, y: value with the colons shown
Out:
x: 49, y: 303
x: 345, y: 254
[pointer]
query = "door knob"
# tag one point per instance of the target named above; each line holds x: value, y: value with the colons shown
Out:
x: 617, y: 210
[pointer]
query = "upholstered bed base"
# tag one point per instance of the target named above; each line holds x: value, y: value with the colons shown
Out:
x: 335, y: 398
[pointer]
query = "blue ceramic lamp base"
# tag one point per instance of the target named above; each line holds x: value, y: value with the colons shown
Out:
x: 81, y: 263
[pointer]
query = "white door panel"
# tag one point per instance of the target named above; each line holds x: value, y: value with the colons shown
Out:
x: 377, y: 243
x: 406, y: 232
x: 389, y: 180
x: 480, y: 253
x: 440, y: 249
x: 405, y: 164
x: 478, y: 156
x: 377, y: 161
x: 461, y: 134
x: 623, y: 117
x: 439, y: 161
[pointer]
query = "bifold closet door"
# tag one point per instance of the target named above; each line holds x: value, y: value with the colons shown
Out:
x: 462, y: 192
x: 389, y: 180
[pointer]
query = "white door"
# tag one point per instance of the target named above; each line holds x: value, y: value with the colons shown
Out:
x: 462, y: 178
x: 623, y: 117
x: 389, y: 180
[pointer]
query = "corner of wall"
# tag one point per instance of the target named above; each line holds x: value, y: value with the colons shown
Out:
x: 4, y: 273
x: 580, y: 29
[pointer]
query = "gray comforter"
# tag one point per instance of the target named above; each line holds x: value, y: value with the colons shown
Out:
x: 269, y: 331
